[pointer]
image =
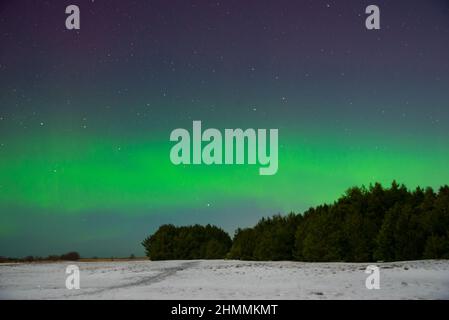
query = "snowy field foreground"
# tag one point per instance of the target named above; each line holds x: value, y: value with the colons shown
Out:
x: 225, y: 279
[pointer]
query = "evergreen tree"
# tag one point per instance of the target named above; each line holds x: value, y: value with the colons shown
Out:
x: 365, y: 224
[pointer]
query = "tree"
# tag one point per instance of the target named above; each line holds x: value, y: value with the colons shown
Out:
x: 437, y: 247
x: 190, y: 242
x: 243, y: 245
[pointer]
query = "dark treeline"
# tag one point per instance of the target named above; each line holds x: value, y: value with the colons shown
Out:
x: 365, y: 224
x: 70, y: 256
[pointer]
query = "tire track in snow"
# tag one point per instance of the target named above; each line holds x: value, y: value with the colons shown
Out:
x: 145, y: 281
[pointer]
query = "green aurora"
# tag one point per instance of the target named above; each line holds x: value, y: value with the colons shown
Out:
x: 77, y: 174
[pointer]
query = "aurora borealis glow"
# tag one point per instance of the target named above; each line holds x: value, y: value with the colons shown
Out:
x: 85, y: 117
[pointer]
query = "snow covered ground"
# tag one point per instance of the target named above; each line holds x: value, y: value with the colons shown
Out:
x: 225, y: 279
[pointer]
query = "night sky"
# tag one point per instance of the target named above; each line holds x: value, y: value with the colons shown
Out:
x: 85, y: 116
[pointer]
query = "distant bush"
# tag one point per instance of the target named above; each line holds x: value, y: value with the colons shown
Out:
x: 71, y: 256
x: 191, y: 242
